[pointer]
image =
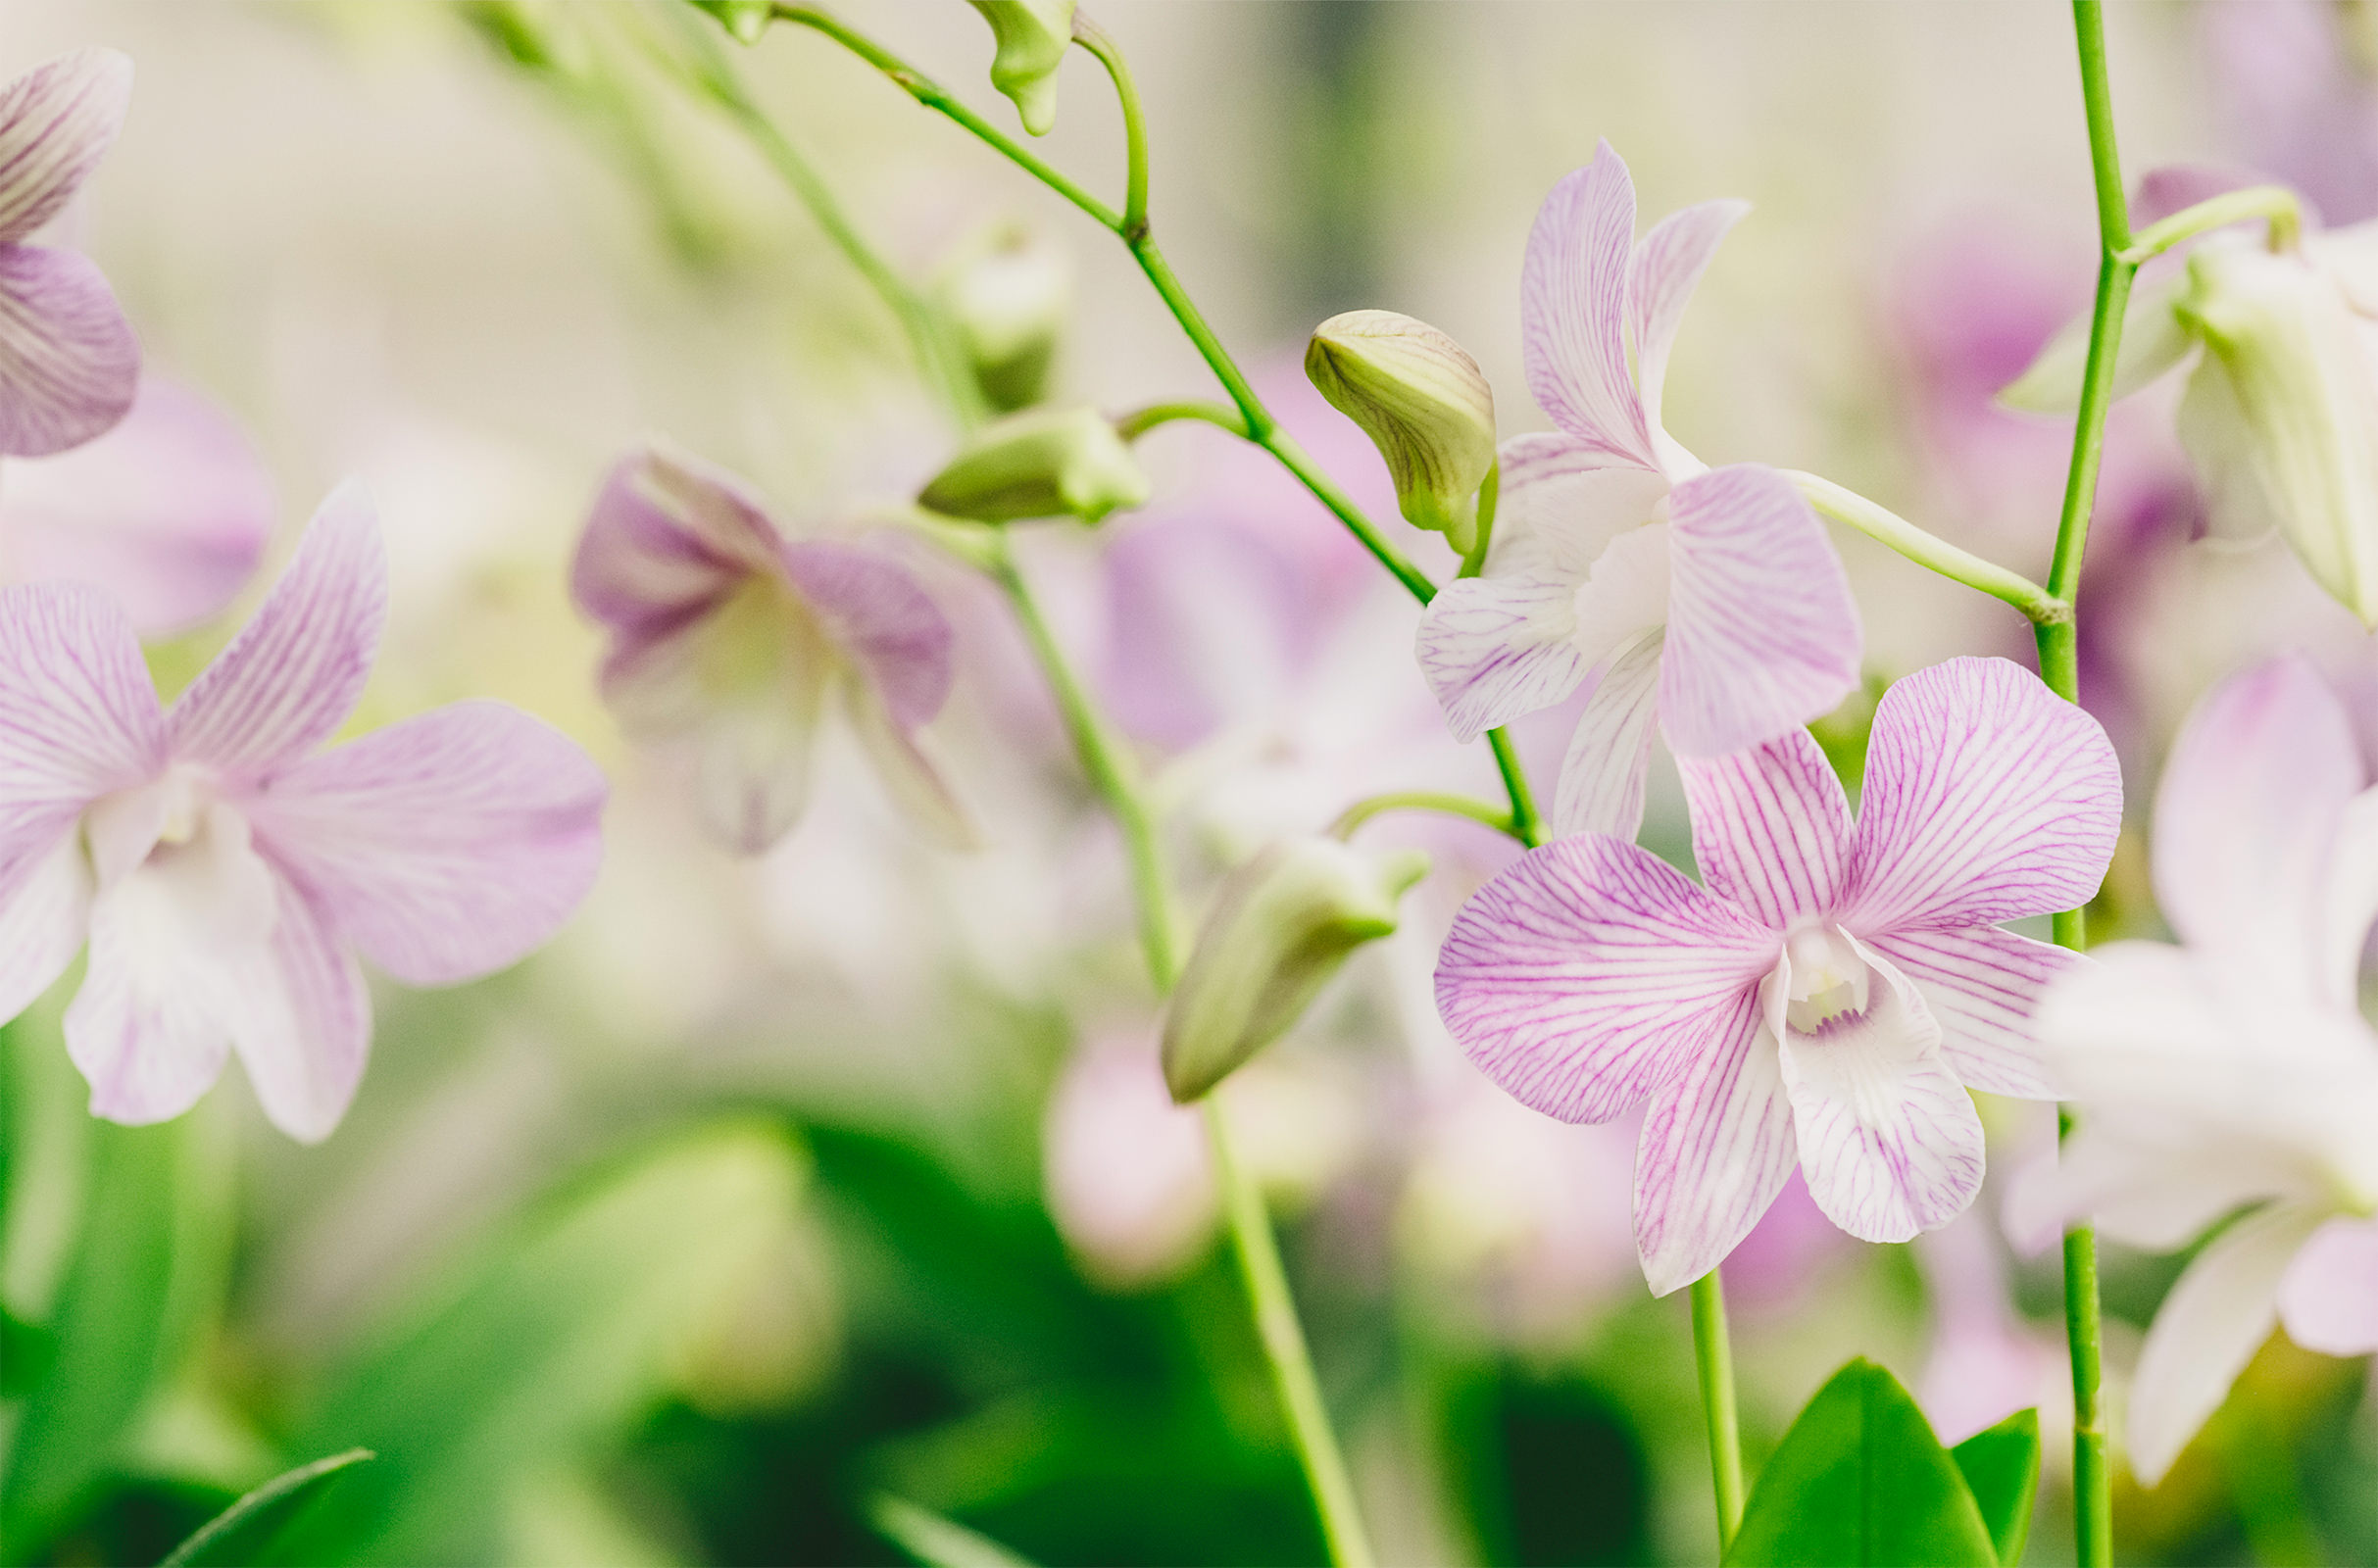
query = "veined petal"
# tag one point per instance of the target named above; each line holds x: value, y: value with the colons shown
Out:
x: 445, y: 846
x: 78, y: 717
x: 295, y: 671
x: 890, y: 625
x: 1589, y: 973
x: 909, y: 775
x: 1889, y: 1141
x: 68, y: 362
x: 2224, y: 1306
x: 45, y: 909
x: 1562, y: 504
x: 1715, y: 1149
x: 1983, y: 987
x: 56, y: 121
x: 668, y: 534
x: 302, y: 1023
x: 1771, y: 828
x: 1987, y: 798
x: 1762, y: 635
x: 1601, y: 788
x: 1666, y: 264
x: 1494, y: 649
x: 2328, y: 1298
x: 1572, y: 310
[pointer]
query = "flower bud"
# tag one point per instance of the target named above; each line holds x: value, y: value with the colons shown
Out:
x: 1042, y: 463
x: 1421, y: 398
x: 1282, y: 924
x: 1033, y: 36
x: 744, y: 19
x: 1007, y: 293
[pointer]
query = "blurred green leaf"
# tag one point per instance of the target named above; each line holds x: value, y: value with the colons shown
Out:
x: 243, y: 1532
x: 1860, y: 1480
x: 935, y: 1542
x: 2002, y: 1469
x: 565, y: 1330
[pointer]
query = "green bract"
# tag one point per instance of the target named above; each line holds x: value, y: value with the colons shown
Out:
x: 1042, y: 463
x: 1032, y: 35
x: 1422, y: 399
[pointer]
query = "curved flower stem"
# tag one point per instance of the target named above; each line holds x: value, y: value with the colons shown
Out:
x: 1526, y: 826
x: 1843, y: 504
x: 1100, y: 43
x: 2275, y: 203
x: 1139, y: 421
x: 1490, y: 494
x: 1713, y: 1357
x: 1361, y: 811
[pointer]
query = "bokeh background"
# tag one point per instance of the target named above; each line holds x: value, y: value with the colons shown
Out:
x: 773, y: 1188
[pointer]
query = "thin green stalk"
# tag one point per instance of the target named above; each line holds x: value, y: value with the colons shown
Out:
x: 1139, y: 421
x: 2276, y: 203
x: 1714, y: 1358
x: 1361, y: 811
x: 1887, y: 528
x: 1482, y: 531
x: 1101, y: 43
x: 1526, y: 826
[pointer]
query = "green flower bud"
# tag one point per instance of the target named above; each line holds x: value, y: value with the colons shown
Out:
x: 1033, y: 36
x: 1042, y: 463
x: 1008, y: 294
x: 1282, y: 924
x: 744, y: 19
x: 1421, y: 398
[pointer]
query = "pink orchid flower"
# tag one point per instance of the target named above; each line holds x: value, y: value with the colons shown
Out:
x: 2236, y: 1069
x: 226, y: 873
x: 729, y: 640
x: 1831, y: 993
x: 1710, y: 599
x: 69, y: 363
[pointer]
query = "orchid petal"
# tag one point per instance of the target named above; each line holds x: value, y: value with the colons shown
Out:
x: 295, y: 671
x: 909, y: 775
x: 1589, y: 973
x: 70, y: 365
x: 2328, y: 1298
x: 1601, y: 788
x: 445, y: 846
x: 1494, y: 649
x: 1563, y: 504
x: 1987, y: 798
x: 1666, y: 264
x: 1771, y: 828
x: 668, y: 535
x: 79, y: 717
x: 1572, y: 306
x: 2351, y: 905
x: 884, y: 617
x: 1715, y: 1149
x: 303, y: 1021
x: 56, y: 121
x: 45, y: 907
x: 1762, y: 635
x: 2222, y: 1308
x: 1983, y: 986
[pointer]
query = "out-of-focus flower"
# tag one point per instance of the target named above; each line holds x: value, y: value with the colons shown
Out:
x: 1008, y: 292
x: 730, y: 639
x: 1708, y: 599
x: 1032, y: 36
x: 1041, y: 463
x: 1986, y: 1361
x: 1424, y: 404
x: 1835, y: 990
x: 69, y: 363
x: 2235, y: 1068
x: 2303, y: 107
x: 169, y: 512
x: 226, y: 877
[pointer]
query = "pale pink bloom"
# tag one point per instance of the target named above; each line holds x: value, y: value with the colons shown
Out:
x: 1986, y: 1361
x: 2304, y: 110
x: 730, y: 641
x: 1129, y: 1175
x: 169, y: 512
x: 69, y: 363
x: 1829, y: 996
x: 225, y: 874
x: 2236, y: 1069
x: 1708, y: 599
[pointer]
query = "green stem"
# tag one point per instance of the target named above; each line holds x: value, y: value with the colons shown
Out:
x: 2274, y: 203
x: 1482, y: 531
x: 1888, y: 527
x: 1283, y: 1338
x: 1713, y: 1357
x: 1139, y: 421
x: 1361, y: 811
x: 1095, y: 38
x: 1526, y: 826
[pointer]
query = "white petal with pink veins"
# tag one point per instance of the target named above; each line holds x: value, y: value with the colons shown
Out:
x: 1717, y: 1147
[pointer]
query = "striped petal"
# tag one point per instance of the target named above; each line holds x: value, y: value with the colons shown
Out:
x: 1716, y: 1148
x: 1771, y: 828
x: 1666, y: 264
x: 1562, y: 504
x: 1601, y: 788
x: 1494, y: 649
x: 668, y: 535
x: 70, y: 365
x: 882, y: 615
x: 1987, y: 798
x: 303, y: 1023
x: 1572, y: 310
x: 1983, y: 987
x: 56, y: 121
x: 45, y: 909
x: 1762, y: 635
x: 2328, y: 1298
x: 294, y: 672
x: 1589, y: 973
x: 79, y: 717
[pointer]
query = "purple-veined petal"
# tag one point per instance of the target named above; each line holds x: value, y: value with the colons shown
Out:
x: 1983, y: 987
x: 1601, y: 789
x: 1563, y: 503
x: 445, y: 846
x: 1666, y: 264
x: 1589, y: 973
x: 70, y: 365
x: 1889, y: 1141
x: 45, y: 908
x: 1771, y: 828
x: 294, y: 671
x: 169, y: 512
x: 2328, y: 1298
x: 1715, y: 1149
x: 880, y: 611
x: 2247, y: 818
x: 56, y: 121
x: 1572, y: 310
x: 79, y: 717
x: 909, y: 775
x: 303, y: 1021
x: 1987, y: 798
x: 1494, y: 649
x: 2217, y: 1315
x: 1762, y: 635
x: 668, y: 534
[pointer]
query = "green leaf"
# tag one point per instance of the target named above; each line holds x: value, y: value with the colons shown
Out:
x: 2002, y: 1469
x: 1860, y: 1480
x: 933, y: 1541
x: 243, y: 1532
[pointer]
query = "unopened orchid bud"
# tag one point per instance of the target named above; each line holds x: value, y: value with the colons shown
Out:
x: 1042, y: 463
x: 744, y: 19
x: 1008, y: 293
x: 1033, y: 36
x: 1282, y: 925
x: 1421, y: 398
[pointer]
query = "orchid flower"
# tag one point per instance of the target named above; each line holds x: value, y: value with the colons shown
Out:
x: 1835, y: 987
x: 225, y: 876
x: 2236, y: 1069
x: 69, y: 363
x: 729, y: 639
x: 1710, y: 599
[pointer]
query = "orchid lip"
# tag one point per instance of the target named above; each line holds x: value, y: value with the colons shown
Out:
x: 1826, y: 978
